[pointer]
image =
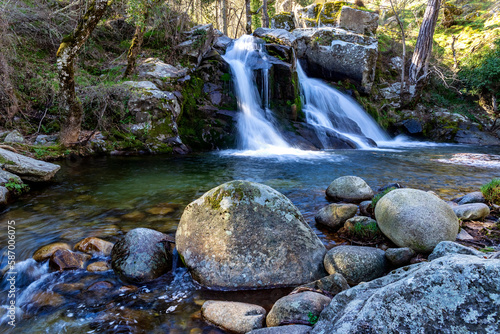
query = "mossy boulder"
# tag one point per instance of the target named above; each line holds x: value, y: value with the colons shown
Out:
x: 245, y: 235
x: 283, y: 21
x: 142, y: 255
x: 416, y: 219
x: 358, y: 21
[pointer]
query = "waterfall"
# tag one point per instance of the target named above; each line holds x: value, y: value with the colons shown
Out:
x: 327, y: 110
x: 255, y: 126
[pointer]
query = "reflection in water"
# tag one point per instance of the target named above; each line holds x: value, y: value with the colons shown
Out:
x: 106, y: 197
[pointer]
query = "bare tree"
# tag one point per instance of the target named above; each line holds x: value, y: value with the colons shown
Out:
x: 265, y: 14
x: 224, y: 16
x: 419, y: 67
x: 403, y: 41
x: 249, y: 16
x: 66, y: 55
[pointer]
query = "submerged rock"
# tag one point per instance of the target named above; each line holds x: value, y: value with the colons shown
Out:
x: 297, y: 308
x: 350, y: 189
x: 416, y: 219
x: 473, y: 211
x: 28, y: 169
x: 142, y: 255
x: 356, y: 263
x: 233, y: 316
x: 243, y: 235
x: 453, y: 294
x: 335, y: 215
x: 63, y: 259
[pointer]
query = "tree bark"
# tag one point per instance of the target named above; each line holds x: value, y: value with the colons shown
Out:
x: 224, y: 16
x: 249, y: 17
x: 66, y: 55
x: 420, y: 60
x: 265, y: 15
x: 134, y: 50
x: 403, y: 40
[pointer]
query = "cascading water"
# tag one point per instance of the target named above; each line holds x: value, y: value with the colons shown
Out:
x: 255, y: 128
x: 329, y: 110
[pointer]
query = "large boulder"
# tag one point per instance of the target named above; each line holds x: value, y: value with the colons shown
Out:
x: 233, y: 316
x: 356, y: 263
x: 142, y: 255
x: 297, y: 308
x: 453, y: 294
x: 243, y: 235
x: 416, y: 219
x: 336, y: 54
x: 28, y: 169
x: 283, y: 21
x: 160, y: 73
x: 358, y: 21
x: 349, y: 189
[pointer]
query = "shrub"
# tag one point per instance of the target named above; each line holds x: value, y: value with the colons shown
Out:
x: 378, y: 196
x: 16, y: 187
x: 491, y: 191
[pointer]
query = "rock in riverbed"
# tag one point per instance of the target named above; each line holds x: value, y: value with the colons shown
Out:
x: 233, y: 316
x: 473, y: 211
x: 335, y: 215
x: 28, y: 169
x: 416, y: 219
x: 349, y: 189
x: 243, y: 235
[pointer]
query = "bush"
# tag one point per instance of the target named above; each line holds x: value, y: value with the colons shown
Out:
x: 378, y: 196
x: 491, y: 191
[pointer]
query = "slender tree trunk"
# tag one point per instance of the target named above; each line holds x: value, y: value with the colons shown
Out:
x: 265, y: 15
x: 134, y: 50
x: 420, y: 60
x: 403, y: 40
x: 66, y: 55
x: 249, y: 17
x: 224, y: 16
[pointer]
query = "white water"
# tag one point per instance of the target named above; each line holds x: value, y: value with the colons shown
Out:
x: 329, y: 110
x: 256, y: 131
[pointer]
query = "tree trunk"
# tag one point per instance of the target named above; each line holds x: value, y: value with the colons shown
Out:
x: 403, y: 40
x: 134, y: 50
x: 224, y: 16
x: 420, y: 60
x: 8, y: 99
x: 265, y: 15
x: 249, y: 17
x: 66, y: 55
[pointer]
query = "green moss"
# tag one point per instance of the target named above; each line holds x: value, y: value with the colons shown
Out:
x: 378, y: 196
x: 4, y: 161
x: 370, y: 230
x: 491, y: 191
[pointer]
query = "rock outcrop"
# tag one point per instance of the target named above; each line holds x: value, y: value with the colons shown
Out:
x: 243, y: 235
x: 28, y: 169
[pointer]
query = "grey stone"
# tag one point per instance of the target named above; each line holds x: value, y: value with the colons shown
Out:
x: 222, y: 42
x: 253, y: 237
x: 365, y: 208
x: 474, y: 211
x: 28, y: 169
x: 359, y: 21
x: 142, y: 255
x: 416, y: 219
x: 350, y: 189
x: 279, y: 36
x: 233, y: 316
x: 290, y: 329
x: 453, y: 294
x: 474, y: 197
x: 399, y: 256
x: 356, y: 263
x: 4, y: 196
x: 463, y: 235
x: 359, y: 220
x: 6, y: 176
x: 335, y: 215
x: 14, y: 137
x: 445, y: 248
x: 332, y: 284
x: 45, y: 139
x: 413, y: 126
x: 283, y: 21
x: 298, y: 307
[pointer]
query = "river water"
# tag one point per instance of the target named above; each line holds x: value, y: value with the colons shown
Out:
x: 107, y: 196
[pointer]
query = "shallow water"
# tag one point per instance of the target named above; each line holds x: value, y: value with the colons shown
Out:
x: 106, y: 197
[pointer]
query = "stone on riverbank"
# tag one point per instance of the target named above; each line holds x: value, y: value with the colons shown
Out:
x: 349, y: 189
x: 243, y: 235
x: 453, y: 294
x: 335, y: 215
x: 142, y: 255
x: 356, y: 263
x: 399, y: 256
x: 416, y: 219
x: 473, y: 211
x: 233, y: 316
x: 28, y: 169
x: 451, y: 248
x: 299, y: 307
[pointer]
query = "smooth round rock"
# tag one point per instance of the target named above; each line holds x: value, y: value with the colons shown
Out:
x: 45, y: 252
x: 142, y: 255
x: 243, y: 235
x: 233, y: 316
x: 335, y: 215
x: 356, y: 263
x: 399, y: 256
x: 299, y: 307
x: 63, y: 259
x: 473, y: 211
x: 474, y: 197
x: 94, y: 246
x: 349, y: 189
x: 416, y: 219
x: 98, y: 266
